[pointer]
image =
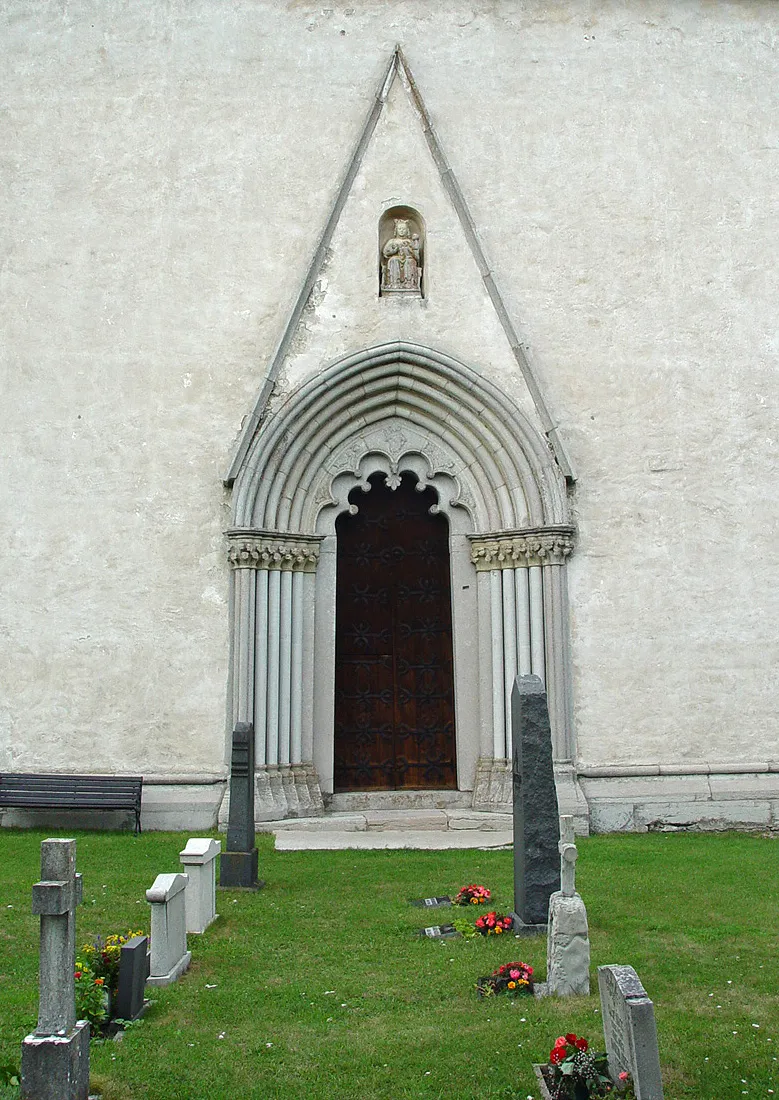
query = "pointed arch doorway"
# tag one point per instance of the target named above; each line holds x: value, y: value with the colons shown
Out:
x: 394, y: 684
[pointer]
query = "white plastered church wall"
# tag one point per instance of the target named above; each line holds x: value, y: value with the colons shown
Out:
x: 165, y: 173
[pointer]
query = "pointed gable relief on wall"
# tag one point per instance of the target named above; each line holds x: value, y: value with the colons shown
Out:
x: 399, y: 365
x: 429, y: 281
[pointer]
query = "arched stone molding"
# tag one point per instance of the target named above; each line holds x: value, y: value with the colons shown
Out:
x: 396, y: 409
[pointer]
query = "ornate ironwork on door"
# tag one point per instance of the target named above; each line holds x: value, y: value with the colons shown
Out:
x: 394, y: 687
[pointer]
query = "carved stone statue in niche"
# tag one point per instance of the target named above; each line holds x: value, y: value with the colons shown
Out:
x: 401, y: 248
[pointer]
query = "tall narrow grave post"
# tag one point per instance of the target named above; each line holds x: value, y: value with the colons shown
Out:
x: 238, y: 865
x: 536, y: 829
x: 55, y: 1060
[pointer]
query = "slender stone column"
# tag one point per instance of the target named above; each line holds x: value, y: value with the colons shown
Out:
x: 559, y: 660
x: 509, y: 647
x: 274, y: 615
x: 296, y: 667
x: 307, y: 676
x: 523, y: 621
x: 498, y: 674
x: 537, y: 653
x: 261, y: 668
x: 285, y: 665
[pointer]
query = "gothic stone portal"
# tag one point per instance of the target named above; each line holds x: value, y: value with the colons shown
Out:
x: 394, y: 687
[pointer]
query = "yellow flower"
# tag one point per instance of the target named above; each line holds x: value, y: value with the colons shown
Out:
x: 512, y: 985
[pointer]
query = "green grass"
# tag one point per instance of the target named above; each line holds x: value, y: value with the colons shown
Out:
x: 696, y: 915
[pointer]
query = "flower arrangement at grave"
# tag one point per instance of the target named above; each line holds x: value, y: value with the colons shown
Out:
x: 574, y: 1072
x: 101, y: 957
x: 514, y: 978
x: 91, y: 996
x: 493, y: 924
x: 473, y: 895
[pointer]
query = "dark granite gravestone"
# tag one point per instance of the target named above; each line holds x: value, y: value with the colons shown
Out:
x: 238, y: 865
x: 536, y: 820
x: 432, y: 903
x: 133, y: 972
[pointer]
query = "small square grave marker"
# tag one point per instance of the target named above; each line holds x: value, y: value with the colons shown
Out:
x: 432, y: 903
x: 439, y: 932
x: 134, y: 962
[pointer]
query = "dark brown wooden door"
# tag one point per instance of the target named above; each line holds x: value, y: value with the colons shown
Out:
x: 394, y: 688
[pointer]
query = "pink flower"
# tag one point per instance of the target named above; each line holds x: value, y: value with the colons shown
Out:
x: 514, y: 974
x: 624, y: 1075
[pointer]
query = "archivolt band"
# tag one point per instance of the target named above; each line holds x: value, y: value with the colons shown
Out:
x: 397, y: 410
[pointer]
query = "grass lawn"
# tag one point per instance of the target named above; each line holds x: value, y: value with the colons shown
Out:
x: 317, y: 988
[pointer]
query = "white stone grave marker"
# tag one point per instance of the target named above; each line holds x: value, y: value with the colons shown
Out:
x: 199, y: 860
x: 568, y: 944
x: 169, y: 955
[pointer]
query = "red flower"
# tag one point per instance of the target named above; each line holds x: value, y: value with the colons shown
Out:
x: 581, y: 1044
x: 77, y: 974
x: 571, y: 1038
x: 557, y: 1054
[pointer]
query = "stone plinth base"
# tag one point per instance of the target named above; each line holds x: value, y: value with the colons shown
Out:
x: 281, y: 791
x: 172, y: 975
x: 56, y: 1067
x: 568, y: 947
x: 522, y: 929
x: 239, y: 869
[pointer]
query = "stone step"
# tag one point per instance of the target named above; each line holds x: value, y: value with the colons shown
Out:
x: 352, y: 801
x: 395, y: 820
x: 291, y: 840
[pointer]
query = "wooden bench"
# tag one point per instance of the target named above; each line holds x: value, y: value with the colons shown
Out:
x: 72, y: 792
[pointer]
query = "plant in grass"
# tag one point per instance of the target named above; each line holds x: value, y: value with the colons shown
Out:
x: 472, y: 895
x: 493, y: 924
x: 464, y: 927
x: 102, y: 957
x: 514, y: 978
x: 91, y: 996
x: 574, y: 1072
x: 9, y: 1076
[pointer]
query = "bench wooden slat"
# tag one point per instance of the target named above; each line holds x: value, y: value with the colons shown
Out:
x: 72, y: 792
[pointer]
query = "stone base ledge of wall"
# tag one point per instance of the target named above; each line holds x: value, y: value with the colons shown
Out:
x: 695, y: 801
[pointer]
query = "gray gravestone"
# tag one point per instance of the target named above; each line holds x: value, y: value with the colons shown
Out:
x: 133, y: 972
x: 238, y: 866
x: 55, y: 1060
x: 568, y: 944
x: 536, y: 829
x: 630, y: 1031
x: 169, y: 954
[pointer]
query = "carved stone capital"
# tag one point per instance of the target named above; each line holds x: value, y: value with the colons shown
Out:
x: 273, y: 550
x: 521, y: 549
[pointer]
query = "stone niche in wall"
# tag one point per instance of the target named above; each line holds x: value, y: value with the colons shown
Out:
x: 401, y: 253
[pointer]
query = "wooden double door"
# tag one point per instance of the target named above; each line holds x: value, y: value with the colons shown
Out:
x: 394, y: 682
